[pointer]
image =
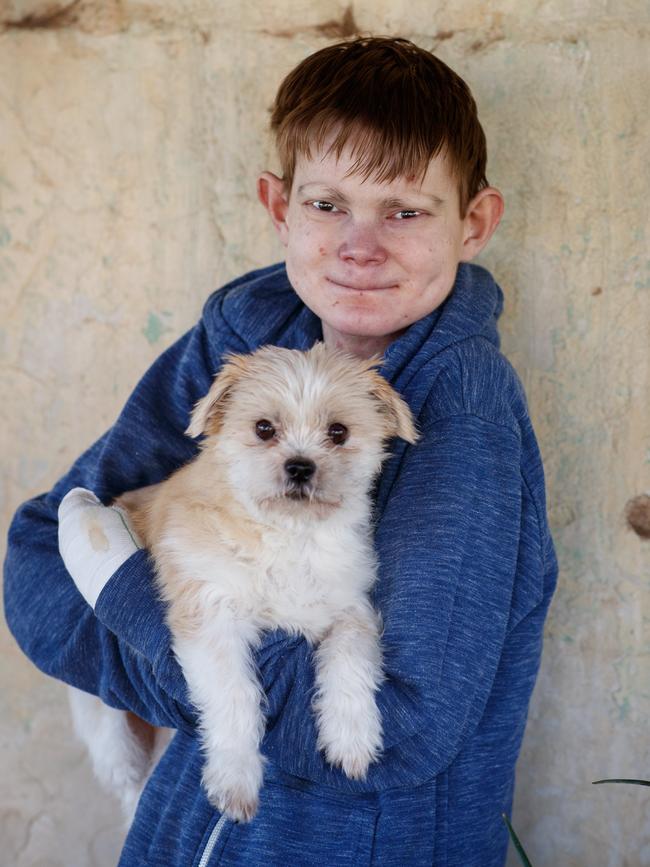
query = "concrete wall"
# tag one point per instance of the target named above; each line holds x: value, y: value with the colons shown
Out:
x: 130, y: 138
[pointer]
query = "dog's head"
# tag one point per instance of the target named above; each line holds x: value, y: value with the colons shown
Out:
x: 300, y: 433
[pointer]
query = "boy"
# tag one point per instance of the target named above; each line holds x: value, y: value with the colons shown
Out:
x: 383, y: 203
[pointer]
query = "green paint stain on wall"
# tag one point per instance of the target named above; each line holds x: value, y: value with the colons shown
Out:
x: 155, y: 327
x: 5, y: 236
x: 624, y: 708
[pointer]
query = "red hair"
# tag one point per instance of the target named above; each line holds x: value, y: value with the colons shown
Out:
x: 395, y: 104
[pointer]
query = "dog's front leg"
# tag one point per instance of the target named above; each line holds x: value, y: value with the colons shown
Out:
x: 216, y: 658
x: 348, y: 673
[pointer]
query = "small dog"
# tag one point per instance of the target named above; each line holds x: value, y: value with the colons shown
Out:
x: 269, y: 527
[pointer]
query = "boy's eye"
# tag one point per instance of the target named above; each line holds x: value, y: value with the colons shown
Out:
x: 320, y: 205
x: 406, y: 215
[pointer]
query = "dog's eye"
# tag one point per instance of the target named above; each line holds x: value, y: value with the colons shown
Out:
x: 264, y: 429
x: 338, y: 433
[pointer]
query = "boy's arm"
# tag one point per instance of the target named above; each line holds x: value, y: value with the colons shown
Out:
x: 48, y: 617
x: 449, y: 544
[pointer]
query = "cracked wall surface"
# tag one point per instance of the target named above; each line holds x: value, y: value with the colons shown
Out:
x: 131, y: 134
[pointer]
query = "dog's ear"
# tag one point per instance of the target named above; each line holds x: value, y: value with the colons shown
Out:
x: 207, y: 415
x: 399, y: 416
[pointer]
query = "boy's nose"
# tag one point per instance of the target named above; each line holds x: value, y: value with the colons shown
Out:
x: 362, y: 247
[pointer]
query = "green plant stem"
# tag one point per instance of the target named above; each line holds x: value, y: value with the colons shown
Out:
x: 515, y: 841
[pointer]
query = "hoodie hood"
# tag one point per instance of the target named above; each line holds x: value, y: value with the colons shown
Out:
x: 470, y: 310
x: 263, y: 308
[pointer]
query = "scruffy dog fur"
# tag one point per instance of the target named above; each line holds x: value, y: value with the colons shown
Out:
x: 269, y: 527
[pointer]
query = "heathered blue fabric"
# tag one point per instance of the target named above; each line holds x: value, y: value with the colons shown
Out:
x: 467, y: 571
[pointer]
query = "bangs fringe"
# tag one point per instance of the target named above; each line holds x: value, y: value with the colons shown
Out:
x: 377, y: 153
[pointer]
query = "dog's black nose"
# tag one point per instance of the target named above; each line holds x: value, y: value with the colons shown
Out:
x: 300, y: 469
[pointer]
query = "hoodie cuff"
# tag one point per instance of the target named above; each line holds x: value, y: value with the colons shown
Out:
x: 130, y: 607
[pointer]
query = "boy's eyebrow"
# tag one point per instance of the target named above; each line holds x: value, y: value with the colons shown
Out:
x: 389, y: 203
x: 330, y: 192
x: 400, y: 203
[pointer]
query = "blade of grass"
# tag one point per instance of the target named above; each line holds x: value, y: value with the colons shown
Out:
x: 633, y: 782
x: 515, y: 842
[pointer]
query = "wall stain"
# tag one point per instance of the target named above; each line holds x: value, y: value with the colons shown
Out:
x: 155, y: 327
x: 491, y: 37
x: 333, y: 29
x: 637, y: 515
x: 55, y: 17
x: 99, y: 17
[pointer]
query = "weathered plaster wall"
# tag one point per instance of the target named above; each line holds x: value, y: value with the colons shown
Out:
x: 130, y: 137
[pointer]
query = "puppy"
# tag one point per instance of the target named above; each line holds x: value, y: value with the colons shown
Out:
x: 269, y: 527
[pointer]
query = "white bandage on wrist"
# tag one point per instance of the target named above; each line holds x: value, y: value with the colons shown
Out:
x: 94, y: 541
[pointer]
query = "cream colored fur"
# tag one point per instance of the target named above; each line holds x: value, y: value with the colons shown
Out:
x: 123, y: 748
x: 240, y: 548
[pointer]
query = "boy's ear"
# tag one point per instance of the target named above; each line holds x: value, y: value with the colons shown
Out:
x: 272, y: 194
x: 483, y: 215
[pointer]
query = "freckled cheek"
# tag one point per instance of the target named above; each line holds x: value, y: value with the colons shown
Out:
x: 318, y: 248
x: 306, y: 236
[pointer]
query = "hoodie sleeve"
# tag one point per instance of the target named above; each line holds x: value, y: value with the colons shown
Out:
x: 448, y: 544
x: 448, y: 547
x: 48, y: 617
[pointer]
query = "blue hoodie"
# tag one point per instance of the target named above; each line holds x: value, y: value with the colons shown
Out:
x: 466, y: 573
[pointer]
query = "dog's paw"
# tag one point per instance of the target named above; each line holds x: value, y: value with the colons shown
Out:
x: 232, y: 783
x: 351, y: 741
x: 354, y: 759
x: 238, y: 805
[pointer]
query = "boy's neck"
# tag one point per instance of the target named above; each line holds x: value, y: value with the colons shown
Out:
x: 362, y: 347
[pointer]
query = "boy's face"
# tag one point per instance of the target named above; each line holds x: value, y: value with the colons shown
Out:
x: 369, y: 258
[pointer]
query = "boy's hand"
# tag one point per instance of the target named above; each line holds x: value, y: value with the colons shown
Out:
x: 94, y: 541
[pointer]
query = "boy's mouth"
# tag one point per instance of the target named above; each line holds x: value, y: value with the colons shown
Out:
x: 362, y: 287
